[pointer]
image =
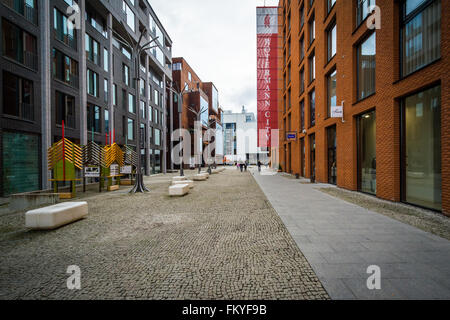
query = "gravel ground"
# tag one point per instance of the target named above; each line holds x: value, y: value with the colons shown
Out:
x: 426, y: 220
x: 222, y: 241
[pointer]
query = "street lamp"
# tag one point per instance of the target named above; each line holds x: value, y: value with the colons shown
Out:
x: 136, y: 50
x: 198, y: 115
x: 180, y: 112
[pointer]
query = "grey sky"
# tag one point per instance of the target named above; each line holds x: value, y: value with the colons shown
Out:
x: 218, y: 39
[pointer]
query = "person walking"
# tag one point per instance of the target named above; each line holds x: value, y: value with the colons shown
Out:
x: 241, y: 165
x: 259, y: 166
x: 245, y: 165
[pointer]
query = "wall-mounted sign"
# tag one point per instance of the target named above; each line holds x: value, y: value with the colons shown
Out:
x: 114, y: 170
x: 126, y: 170
x: 92, y: 172
x: 337, y: 112
x: 291, y: 135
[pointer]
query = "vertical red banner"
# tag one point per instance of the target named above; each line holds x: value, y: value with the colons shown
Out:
x: 267, y: 73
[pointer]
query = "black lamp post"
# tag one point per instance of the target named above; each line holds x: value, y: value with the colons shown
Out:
x: 137, y: 49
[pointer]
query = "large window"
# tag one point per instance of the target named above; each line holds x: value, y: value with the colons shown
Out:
x: 65, y: 110
x: 130, y: 129
x: 366, y: 52
x: 65, y: 69
x: 302, y: 80
x: 420, y: 33
x: 312, y: 68
x: 93, y: 118
x: 332, y: 158
x: 131, y: 103
x: 92, y: 50
x: 312, y: 108
x: 26, y: 8
x: 131, y: 19
x: 64, y: 29
x: 367, y: 163
x: 422, y: 170
x: 302, y: 115
x: 331, y: 91
x: 330, y: 4
x: 92, y: 83
x: 362, y: 10
x: 18, y: 96
x: 19, y: 45
x: 126, y: 75
x: 105, y: 59
x: 331, y: 35
x: 312, y: 30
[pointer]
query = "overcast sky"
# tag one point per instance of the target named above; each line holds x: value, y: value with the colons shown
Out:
x: 218, y: 39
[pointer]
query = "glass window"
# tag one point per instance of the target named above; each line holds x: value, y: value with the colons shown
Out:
x: 92, y: 83
x: 362, y: 10
x: 312, y: 108
x: 331, y: 92
x: 92, y: 50
x: 421, y: 36
x: 367, y: 162
x: 65, y: 68
x: 105, y: 89
x: 312, y: 68
x: 366, y: 67
x: 157, y: 137
x: 19, y: 45
x: 131, y: 103
x: 64, y: 29
x: 114, y: 94
x: 105, y: 59
x: 126, y: 75
x: 332, y: 158
x: 93, y: 118
x: 330, y: 4
x: 422, y: 158
x: 312, y: 30
x: 302, y: 115
x: 18, y: 96
x: 130, y: 16
x: 130, y: 129
x: 302, y: 80
x: 106, y: 120
x: 332, y: 33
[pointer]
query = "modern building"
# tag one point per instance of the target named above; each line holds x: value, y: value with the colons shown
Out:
x: 241, y: 138
x: 62, y: 60
x: 197, y: 96
x: 390, y: 72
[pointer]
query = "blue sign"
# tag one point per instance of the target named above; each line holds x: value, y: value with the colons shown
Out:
x: 292, y: 135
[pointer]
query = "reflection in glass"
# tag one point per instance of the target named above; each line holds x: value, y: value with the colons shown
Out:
x: 423, y: 149
x: 367, y: 153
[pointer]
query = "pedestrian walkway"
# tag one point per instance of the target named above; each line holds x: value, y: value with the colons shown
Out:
x: 341, y: 240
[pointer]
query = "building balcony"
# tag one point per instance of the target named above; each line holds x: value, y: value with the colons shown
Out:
x: 24, y: 9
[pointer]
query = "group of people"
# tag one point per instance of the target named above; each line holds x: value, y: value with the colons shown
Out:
x: 244, y: 164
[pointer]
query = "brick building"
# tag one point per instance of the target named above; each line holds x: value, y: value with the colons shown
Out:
x: 393, y: 83
x: 197, y: 95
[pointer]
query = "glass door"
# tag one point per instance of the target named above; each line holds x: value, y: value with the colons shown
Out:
x: 367, y: 163
x: 421, y: 169
x: 332, y: 161
x: 312, y: 159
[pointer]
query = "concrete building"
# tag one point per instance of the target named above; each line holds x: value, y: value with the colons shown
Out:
x: 392, y: 80
x: 83, y: 76
x: 240, y: 137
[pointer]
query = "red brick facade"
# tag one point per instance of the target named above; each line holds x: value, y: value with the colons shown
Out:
x: 390, y: 90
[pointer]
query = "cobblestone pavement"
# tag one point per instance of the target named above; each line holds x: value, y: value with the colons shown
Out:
x: 222, y: 241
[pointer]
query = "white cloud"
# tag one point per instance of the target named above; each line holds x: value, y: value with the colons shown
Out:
x: 218, y: 39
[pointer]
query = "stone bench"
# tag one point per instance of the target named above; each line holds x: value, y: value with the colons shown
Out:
x: 178, y: 190
x: 200, y: 177
x: 205, y: 173
x: 56, y: 216
x: 188, y: 182
x: 179, y: 178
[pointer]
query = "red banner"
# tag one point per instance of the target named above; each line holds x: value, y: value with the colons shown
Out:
x: 267, y: 73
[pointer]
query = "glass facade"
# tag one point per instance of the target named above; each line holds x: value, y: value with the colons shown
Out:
x: 422, y: 145
x: 366, y: 67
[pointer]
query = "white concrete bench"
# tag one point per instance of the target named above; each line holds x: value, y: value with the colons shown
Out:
x: 56, y: 216
x: 188, y: 182
x: 179, y: 178
x: 205, y: 173
x: 200, y: 177
x: 178, y: 190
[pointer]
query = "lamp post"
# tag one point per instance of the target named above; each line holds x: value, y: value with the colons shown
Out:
x: 137, y: 49
x: 198, y: 115
x: 180, y: 113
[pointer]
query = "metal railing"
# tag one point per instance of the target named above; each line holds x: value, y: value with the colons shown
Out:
x: 30, y: 60
x: 26, y: 111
